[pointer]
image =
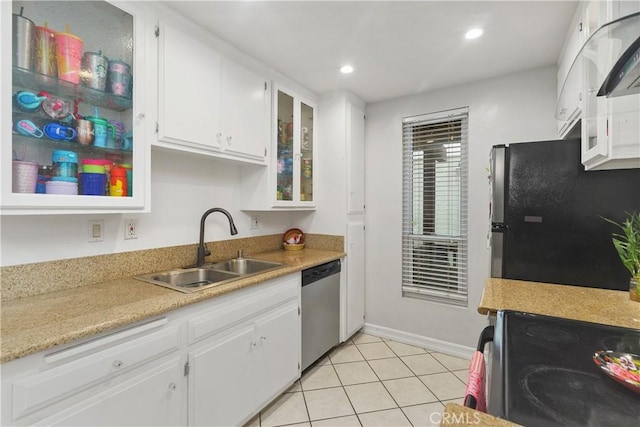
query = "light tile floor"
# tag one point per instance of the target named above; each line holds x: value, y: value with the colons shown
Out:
x: 370, y: 381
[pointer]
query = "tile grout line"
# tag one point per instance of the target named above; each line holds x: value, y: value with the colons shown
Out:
x: 351, y: 341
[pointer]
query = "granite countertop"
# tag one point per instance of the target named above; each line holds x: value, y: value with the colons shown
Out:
x: 571, y: 302
x: 458, y: 415
x: 40, y: 322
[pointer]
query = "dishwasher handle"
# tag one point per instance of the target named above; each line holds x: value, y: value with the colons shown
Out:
x: 314, y: 274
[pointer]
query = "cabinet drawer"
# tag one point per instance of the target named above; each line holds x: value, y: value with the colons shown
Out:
x: 232, y: 312
x: 33, y: 392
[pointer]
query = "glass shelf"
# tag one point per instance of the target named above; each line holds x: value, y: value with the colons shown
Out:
x: 29, y: 79
x: 45, y: 143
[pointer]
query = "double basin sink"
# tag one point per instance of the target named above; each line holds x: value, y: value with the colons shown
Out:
x: 209, y: 275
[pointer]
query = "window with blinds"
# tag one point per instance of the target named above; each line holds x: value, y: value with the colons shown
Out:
x: 434, y: 213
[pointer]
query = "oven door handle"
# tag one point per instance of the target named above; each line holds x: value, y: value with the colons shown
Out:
x: 486, y: 336
x: 474, y: 394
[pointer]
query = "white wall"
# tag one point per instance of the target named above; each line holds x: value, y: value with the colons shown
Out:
x: 183, y: 187
x: 517, y: 107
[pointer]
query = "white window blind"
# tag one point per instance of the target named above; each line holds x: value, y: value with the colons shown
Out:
x: 434, y: 217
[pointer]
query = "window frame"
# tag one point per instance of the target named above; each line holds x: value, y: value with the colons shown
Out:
x: 435, y: 264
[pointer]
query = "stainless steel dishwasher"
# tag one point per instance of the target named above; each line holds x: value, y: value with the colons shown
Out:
x: 320, y: 311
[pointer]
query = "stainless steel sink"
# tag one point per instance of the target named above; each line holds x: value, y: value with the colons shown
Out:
x: 209, y: 275
x: 244, y: 266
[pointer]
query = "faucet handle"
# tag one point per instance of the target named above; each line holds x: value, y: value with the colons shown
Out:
x: 240, y: 253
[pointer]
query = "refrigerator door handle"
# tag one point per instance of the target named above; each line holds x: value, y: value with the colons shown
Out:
x: 498, y: 183
x: 497, y: 250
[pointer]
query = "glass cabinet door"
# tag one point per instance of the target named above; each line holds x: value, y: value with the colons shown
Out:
x: 295, y: 136
x: 72, y: 124
x: 306, y: 153
x: 285, y: 150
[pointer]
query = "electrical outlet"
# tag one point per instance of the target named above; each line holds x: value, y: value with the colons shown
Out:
x: 254, y: 223
x: 130, y: 229
x: 96, y: 230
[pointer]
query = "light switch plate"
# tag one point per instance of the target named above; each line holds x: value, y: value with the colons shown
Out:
x: 95, y: 230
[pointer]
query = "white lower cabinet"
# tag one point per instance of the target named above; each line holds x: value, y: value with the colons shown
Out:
x: 249, y: 360
x: 278, y: 351
x: 214, y: 363
x: 221, y: 377
x: 131, y: 377
x: 354, y: 301
x: 149, y: 397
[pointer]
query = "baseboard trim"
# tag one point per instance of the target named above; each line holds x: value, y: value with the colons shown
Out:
x: 420, y: 341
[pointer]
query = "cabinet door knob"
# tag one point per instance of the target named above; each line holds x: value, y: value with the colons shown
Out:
x: 118, y: 364
x: 263, y: 338
x: 172, y: 386
x: 141, y: 116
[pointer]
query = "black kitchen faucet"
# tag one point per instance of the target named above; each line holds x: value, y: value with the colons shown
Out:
x: 202, y: 249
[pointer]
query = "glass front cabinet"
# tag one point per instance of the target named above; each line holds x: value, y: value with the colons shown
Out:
x: 294, y: 136
x: 72, y: 113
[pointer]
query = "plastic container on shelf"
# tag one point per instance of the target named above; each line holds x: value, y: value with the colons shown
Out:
x: 62, y: 187
x: 129, y: 169
x: 93, y: 166
x: 25, y: 177
x: 44, y: 175
x: 65, y: 166
x: 93, y: 184
x: 107, y: 164
x: 118, y: 182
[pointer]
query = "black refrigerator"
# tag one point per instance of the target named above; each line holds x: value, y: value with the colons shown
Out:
x: 547, y: 215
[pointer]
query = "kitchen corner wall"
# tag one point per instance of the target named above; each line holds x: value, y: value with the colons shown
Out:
x: 183, y: 187
x: 513, y: 108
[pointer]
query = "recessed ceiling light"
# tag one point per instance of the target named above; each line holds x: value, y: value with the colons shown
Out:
x: 346, y: 69
x: 473, y: 33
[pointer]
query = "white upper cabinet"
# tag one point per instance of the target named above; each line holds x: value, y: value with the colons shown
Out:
x: 69, y: 122
x: 207, y: 103
x: 288, y: 182
x: 610, y: 117
x: 244, y: 111
x: 189, y: 90
x: 355, y: 159
x: 570, y: 87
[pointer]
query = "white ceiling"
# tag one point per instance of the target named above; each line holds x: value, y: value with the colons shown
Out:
x: 396, y: 47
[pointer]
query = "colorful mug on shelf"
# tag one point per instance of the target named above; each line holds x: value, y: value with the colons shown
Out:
x: 85, y: 131
x: 127, y: 141
x: 100, y: 131
x: 119, y: 76
x: 28, y: 128
x: 69, y: 56
x: 46, y: 61
x: 59, y: 132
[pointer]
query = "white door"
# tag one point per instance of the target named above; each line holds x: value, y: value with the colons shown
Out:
x: 221, y: 380
x: 355, y: 277
x: 152, y: 398
x: 189, y: 90
x: 278, y: 337
x: 355, y: 160
x: 244, y: 110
